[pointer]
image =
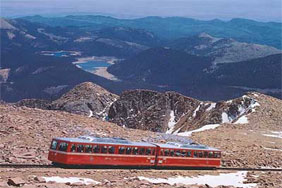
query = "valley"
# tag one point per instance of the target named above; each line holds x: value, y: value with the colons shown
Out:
x: 202, y: 66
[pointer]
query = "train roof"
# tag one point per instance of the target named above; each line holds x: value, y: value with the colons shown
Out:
x: 105, y: 140
x: 120, y: 141
x: 174, y: 145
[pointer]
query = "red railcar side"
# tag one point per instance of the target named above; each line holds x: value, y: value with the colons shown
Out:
x: 84, y: 152
x: 184, y: 157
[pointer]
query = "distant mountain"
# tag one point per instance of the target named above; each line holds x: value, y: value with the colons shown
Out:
x: 184, y: 67
x: 35, y: 37
x: 191, y: 75
x: 26, y: 73
x: 242, y: 30
x: 222, y: 50
x: 161, y: 66
x: 128, y: 34
x: 261, y: 74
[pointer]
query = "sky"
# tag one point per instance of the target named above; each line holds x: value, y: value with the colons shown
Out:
x: 261, y: 10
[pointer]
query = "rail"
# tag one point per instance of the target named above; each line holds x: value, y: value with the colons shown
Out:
x: 135, y: 168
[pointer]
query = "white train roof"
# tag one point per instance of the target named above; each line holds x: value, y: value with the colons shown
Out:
x: 105, y: 140
x: 173, y: 145
x: 121, y: 141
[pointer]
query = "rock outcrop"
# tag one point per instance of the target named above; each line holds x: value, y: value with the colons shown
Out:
x: 172, y: 112
x: 150, y: 110
x: 86, y: 99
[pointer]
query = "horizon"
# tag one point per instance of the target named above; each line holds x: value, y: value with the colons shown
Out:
x: 131, y: 9
x: 133, y: 18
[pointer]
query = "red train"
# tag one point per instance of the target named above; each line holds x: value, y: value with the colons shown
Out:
x: 87, y: 150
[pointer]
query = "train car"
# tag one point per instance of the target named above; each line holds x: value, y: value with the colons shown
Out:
x: 187, y: 155
x: 88, y: 150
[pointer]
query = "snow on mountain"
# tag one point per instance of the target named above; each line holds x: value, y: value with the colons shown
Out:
x: 173, y: 113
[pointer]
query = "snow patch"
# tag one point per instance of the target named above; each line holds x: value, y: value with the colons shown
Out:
x: 212, y: 106
x: 231, y: 179
x: 171, y: 122
x: 197, y: 109
x: 90, y: 113
x: 242, y: 120
x: 57, y: 179
x: 273, y: 149
x: 225, y: 118
x: 275, y: 134
x: 204, y: 128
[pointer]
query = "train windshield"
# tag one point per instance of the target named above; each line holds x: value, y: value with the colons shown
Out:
x: 54, y: 144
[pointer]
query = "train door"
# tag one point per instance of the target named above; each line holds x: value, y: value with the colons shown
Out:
x: 157, y: 154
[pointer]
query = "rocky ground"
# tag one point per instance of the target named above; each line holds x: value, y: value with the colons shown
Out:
x: 27, y: 132
x: 124, y: 178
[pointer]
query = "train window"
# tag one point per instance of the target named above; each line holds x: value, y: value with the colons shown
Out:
x: 205, y: 154
x: 171, y: 152
x: 63, y: 146
x: 148, y: 151
x: 96, y: 149
x: 153, y: 151
x: 80, y: 148
x: 177, y: 153
x: 121, y: 150
x: 195, y: 154
x: 104, y: 149
x: 200, y: 154
x: 141, y: 151
x: 217, y: 154
x: 111, y: 149
x: 210, y: 154
x: 135, y: 151
x: 54, y: 145
x: 128, y: 150
x: 166, y: 152
x: 88, y: 148
x: 189, y: 154
x: 183, y: 153
x: 73, y: 148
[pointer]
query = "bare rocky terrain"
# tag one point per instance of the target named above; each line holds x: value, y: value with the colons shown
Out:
x: 172, y: 112
x: 86, y: 99
x: 26, y: 134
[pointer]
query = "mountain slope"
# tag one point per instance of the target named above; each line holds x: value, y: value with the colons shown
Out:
x: 86, y: 99
x: 172, y: 112
x: 196, y: 77
x: 222, y: 50
x: 161, y: 66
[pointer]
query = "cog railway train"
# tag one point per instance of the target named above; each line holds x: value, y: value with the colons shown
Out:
x: 97, y: 151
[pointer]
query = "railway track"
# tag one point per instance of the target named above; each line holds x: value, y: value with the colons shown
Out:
x: 134, y: 168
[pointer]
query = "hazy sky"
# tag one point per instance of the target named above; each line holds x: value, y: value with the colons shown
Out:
x: 265, y: 10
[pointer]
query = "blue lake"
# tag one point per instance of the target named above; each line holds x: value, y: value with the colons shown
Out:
x: 93, y: 65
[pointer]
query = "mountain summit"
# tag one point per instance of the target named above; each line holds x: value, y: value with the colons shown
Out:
x: 87, y: 99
